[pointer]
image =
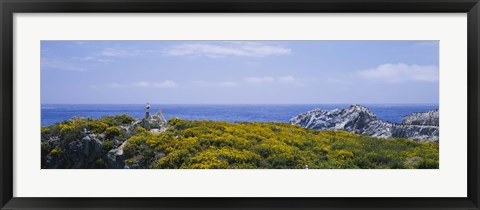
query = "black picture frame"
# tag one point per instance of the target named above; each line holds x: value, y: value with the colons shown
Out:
x: 10, y: 7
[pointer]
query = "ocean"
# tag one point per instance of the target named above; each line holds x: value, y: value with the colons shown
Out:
x: 53, y: 113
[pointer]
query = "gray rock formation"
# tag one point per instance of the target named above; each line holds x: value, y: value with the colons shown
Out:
x: 78, y: 154
x: 358, y: 119
x: 156, y: 121
x: 114, y: 158
x: 155, y: 124
x: 86, y: 149
x: 422, y: 118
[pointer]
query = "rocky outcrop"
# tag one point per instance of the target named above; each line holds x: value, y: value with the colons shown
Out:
x: 422, y: 118
x: 81, y: 148
x: 155, y: 123
x: 354, y: 119
x: 358, y: 119
x: 77, y: 154
x: 115, y: 158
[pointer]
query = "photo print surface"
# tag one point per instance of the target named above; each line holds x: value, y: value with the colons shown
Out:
x: 240, y: 104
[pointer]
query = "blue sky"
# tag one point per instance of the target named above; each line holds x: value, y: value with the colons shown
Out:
x: 239, y: 72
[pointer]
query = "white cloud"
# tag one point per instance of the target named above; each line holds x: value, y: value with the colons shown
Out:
x: 222, y: 49
x: 259, y: 79
x: 142, y: 84
x: 95, y: 58
x: 164, y: 84
x: 107, y: 55
x: 167, y: 84
x: 50, y: 64
x: 110, y: 52
x: 251, y: 80
x: 401, y: 72
x: 288, y: 78
x: 266, y: 79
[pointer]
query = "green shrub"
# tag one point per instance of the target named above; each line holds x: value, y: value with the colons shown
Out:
x: 71, y: 133
x: 178, y: 123
x: 95, y: 126
x: 117, y: 120
x: 140, y: 130
x: 112, y: 131
x: 107, y: 145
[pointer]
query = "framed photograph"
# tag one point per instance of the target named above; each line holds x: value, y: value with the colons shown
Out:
x: 240, y: 104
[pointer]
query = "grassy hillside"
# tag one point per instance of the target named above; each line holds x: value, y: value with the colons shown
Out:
x: 208, y: 144
x: 221, y: 145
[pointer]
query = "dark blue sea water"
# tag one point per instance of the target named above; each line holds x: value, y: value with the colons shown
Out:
x: 53, y: 113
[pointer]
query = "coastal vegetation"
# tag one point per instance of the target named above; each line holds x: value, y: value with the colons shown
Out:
x: 222, y: 145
